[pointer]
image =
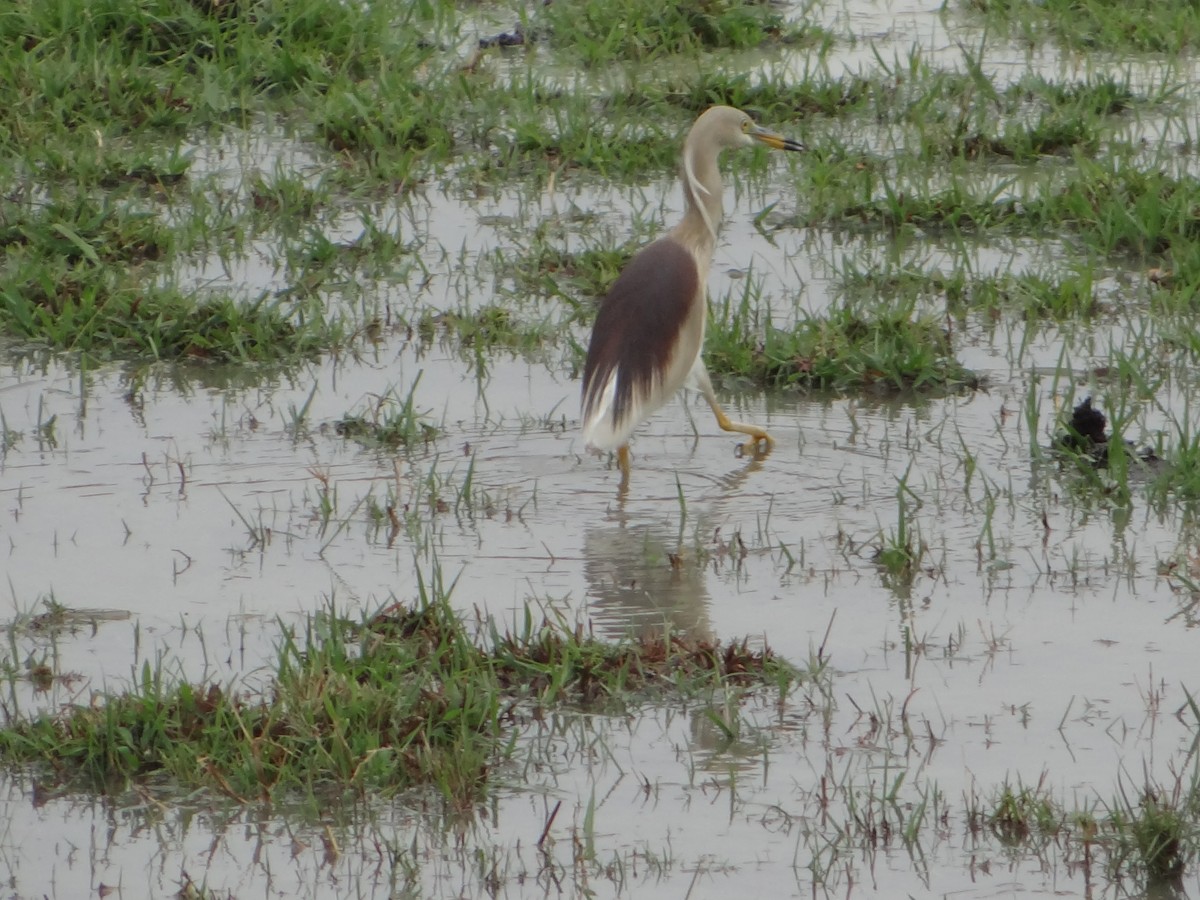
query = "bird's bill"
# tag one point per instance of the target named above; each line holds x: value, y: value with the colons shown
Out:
x: 773, y: 140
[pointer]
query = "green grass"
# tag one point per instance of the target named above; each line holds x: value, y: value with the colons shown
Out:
x: 388, y: 110
x: 573, y: 277
x: 1150, y: 841
x: 1022, y: 814
x: 344, y: 710
x: 114, y: 109
x: 391, y: 113
x: 1129, y: 214
x: 102, y: 207
x: 81, y: 231
x: 1099, y: 95
x: 388, y: 421
x: 576, y: 133
x: 485, y: 330
x: 600, y: 32
x: 1157, y: 835
x: 1065, y: 293
x: 774, y: 98
x: 74, y: 279
x: 91, y: 73
x: 403, y: 698
x: 957, y: 115
x: 107, y: 321
x: 875, y: 348
x: 901, y: 550
x: 1141, y: 26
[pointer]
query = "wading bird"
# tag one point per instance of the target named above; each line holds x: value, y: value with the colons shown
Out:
x: 648, y: 336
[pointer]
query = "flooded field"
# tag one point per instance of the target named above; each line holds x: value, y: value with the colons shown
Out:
x: 995, y: 641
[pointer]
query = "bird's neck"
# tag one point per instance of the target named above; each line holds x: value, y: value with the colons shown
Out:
x: 702, y: 200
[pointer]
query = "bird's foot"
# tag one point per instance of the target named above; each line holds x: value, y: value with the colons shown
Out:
x: 758, y: 446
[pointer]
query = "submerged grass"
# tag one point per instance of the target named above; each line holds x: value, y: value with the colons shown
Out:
x: 1159, y: 835
x: 402, y: 699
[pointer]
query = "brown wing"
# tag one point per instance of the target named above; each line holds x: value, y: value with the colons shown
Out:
x: 633, y: 340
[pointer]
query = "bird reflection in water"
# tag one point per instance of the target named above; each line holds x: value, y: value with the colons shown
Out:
x: 644, y: 576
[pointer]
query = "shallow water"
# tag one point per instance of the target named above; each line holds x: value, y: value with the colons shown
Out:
x: 974, y: 648
x: 1037, y: 644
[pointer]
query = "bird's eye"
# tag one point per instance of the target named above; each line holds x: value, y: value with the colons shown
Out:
x: 747, y: 124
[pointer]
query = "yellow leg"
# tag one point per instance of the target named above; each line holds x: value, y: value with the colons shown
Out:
x: 756, y: 434
x: 699, y: 375
x: 623, y: 464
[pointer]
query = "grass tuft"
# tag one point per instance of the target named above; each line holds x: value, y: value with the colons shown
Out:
x: 1141, y: 25
x: 1155, y: 836
x: 485, y: 329
x: 404, y: 698
x: 123, y: 322
x: 389, y: 421
x: 1020, y: 813
x: 852, y: 348
x: 600, y: 32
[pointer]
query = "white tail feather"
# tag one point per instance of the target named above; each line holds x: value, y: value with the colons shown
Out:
x: 598, y: 426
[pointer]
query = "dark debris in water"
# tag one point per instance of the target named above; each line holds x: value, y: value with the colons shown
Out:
x: 1086, y: 432
x: 1086, y: 435
x: 58, y: 619
x: 518, y: 37
x: 515, y: 38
